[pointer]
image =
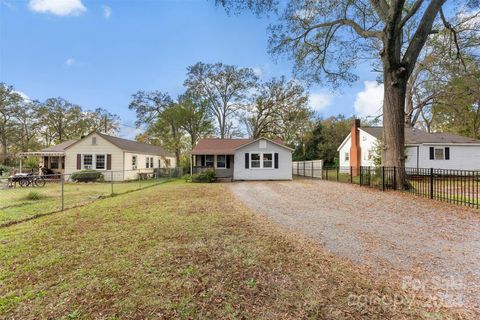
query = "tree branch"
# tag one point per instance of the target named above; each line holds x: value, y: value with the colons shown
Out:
x: 345, y: 22
x: 412, y: 12
x: 381, y: 8
x: 421, y: 35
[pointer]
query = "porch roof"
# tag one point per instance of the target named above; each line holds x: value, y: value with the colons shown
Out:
x: 42, y: 154
x: 54, y: 151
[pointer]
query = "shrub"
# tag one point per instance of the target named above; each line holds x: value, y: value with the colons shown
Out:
x: 34, y: 195
x: 87, y: 176
x: 205, y: 176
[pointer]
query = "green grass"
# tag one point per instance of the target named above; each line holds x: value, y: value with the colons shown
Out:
x: 177, y: 250
x: 16, y: 205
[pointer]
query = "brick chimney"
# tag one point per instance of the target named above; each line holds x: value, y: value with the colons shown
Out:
x: 355, y: 155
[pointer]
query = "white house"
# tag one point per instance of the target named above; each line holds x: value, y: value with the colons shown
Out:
x: 116, y: 157
x: 423, y: 149
x: 244, y: 159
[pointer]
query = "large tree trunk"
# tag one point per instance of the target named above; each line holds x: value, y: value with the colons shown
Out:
x: 4, y: 151
x: 394, y: 121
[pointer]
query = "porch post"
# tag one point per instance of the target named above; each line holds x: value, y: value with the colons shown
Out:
x: 191, y: 164
x: 21, y: 164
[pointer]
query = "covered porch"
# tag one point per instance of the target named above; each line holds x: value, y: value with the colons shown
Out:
x: 222, y: 164
x: 49, y: 162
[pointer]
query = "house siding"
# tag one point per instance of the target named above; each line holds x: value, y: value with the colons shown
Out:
x: 284, y: 171
x: 462, y: 157
x: 102, y: 146
x: 121, y: 161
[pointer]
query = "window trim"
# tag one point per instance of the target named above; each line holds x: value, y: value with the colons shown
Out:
x: 213, y: 161
x: 224, y: 161
x: 94, y: 161
x: 347, y: 156
x: 104, y: 161
x: 261, y: 167
x: 435, y: 153
x: 271, y: 160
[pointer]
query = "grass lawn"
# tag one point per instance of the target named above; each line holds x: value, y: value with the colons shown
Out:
x: 15, y: 204
x: 177, y: 250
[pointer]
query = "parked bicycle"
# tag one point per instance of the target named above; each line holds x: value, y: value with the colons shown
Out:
x: 26, y: 180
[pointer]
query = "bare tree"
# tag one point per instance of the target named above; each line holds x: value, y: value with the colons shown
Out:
x: 224, y: 87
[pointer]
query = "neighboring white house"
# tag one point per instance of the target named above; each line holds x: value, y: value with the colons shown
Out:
x: 244, y: 159
x: 98, y: 151
x: 423, y: 149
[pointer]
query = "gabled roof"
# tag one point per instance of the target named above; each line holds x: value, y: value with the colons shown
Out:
x: 135, y: 146
x: 59, y: 147
x: 218, y: 146
x: 416, y: 136
x: 225, y: 146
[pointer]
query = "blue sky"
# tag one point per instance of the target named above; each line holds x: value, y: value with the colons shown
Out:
x: 98, y: 53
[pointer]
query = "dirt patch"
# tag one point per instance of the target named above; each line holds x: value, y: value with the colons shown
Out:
x: 426, y: 246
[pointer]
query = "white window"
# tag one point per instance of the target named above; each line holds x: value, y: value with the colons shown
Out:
x: 221, y: 161
x: 94, y: 140
x: 147, y: 162
x: 100, y: 162
x: 209, y: 160
x: 134, y: 162
x: 347, y: 156
x: 151, y: 162
x: 255, y: 160
x: 87, y: 161
x: 268, y: 160
x: 439, y: 155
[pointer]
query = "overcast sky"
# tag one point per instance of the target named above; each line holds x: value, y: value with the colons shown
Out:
x: 98, y: 53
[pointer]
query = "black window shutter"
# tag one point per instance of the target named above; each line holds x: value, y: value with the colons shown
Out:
x: 227, y: 160
x: 246, y: 161
x: 432, y: 153
x: 109, y: 162
x: 447, y: 153
x: 276, y: 160
x: 202, y: 161
x: 79, y: 161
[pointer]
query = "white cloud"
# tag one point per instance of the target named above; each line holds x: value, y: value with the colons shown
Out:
x: 69, y: 62
x: 369, y: 101
x: 320, y: 101
x: 58, y: 7
x: 107, y: 11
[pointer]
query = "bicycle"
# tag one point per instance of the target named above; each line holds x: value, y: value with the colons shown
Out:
x: 32, y: 180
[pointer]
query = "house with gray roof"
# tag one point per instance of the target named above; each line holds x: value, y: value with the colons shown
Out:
x: 117, y: 158
x: 438, y: 150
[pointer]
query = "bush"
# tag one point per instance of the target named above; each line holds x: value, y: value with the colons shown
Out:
x: 205, y: 176
x: 87, y: 176
x: 4, y: 170
x: 34, y: 195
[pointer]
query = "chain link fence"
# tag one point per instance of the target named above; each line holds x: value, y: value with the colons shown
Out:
x: 23, y: 197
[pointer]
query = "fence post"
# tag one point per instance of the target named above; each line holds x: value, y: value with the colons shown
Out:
x: 351, y: 176
x: 383, y: 178
x: 304, y: 168
x: 394, y: 178
x: 338, y: 171
x: 139, y: 179
x: 431, y: 183
x: 312, y: 169
x: 111, y: 182
x: 326, y: 174
x: 63, y: 191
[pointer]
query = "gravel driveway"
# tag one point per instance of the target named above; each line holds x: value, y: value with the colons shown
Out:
x: 429, y: 247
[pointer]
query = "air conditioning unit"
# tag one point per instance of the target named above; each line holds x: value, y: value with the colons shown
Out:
x: 87, y: 166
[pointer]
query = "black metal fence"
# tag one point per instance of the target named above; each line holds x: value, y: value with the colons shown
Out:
x: 461, y: 187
